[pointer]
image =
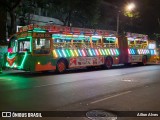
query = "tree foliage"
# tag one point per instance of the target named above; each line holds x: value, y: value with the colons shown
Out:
x: 10, y: 7
x: 75, y: 12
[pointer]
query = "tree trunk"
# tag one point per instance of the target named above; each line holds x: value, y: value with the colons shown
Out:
x: 69, y: 18
x: 3, y: 31
x: 13, y: 22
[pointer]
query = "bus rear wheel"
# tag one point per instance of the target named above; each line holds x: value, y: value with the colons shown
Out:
x: 108, y: 63
x: 61, y: 66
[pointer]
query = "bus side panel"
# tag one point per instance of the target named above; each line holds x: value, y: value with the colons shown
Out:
x: 86, y: 61
x: 42, y: 63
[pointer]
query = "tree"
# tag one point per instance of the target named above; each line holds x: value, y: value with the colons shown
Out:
x: 75, y: 12
x: 3, y: 16
x: 10, y: 6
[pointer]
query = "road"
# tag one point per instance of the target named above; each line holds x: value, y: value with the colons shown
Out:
x: 134, y: 88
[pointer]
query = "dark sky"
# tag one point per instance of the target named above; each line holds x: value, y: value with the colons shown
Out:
x: 148, y: 21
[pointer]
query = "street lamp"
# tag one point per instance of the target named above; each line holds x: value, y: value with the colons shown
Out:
x: 129, y: 8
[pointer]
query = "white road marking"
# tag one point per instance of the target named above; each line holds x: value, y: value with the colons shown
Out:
x: 127, y: 80
x: 100, y: 100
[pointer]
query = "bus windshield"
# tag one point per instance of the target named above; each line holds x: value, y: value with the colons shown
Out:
x: 23, y: 45
x: 19, y: 45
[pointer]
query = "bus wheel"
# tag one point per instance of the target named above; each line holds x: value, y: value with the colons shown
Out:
x: 61, y: 66
x: 108, y: 63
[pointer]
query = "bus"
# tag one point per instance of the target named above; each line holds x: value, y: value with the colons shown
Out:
x: 57, y: 48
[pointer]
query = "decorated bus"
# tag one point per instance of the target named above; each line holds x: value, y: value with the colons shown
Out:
x: 44, y: 48
x: 136, y: 48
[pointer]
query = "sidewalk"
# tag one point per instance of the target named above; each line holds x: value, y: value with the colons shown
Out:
x: 9, y: 71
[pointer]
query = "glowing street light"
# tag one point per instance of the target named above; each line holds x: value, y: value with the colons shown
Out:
x: 130, y: 7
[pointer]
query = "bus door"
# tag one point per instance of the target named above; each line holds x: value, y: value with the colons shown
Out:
x: 42, y: 59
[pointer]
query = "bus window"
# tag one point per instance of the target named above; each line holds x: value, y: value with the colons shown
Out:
x: 109, y: 42
x: 41, y: 46
x: 24, y: 45
x: 13, y: 45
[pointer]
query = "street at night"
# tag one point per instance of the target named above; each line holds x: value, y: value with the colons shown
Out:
x: 80, y: 59
x: 133, y: 88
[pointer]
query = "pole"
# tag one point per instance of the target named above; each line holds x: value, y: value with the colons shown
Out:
x: 118, y: 22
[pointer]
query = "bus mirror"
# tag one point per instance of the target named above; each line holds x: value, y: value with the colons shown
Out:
x: 10, y: 50
x: 38, y: 41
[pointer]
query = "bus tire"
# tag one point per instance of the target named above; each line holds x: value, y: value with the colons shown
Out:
x: 61, y: 66
x: 108, y: 63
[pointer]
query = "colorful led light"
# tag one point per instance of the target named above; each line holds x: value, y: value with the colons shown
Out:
x: 64, y: 53
x: 129, y: 51
x: 24, y: 58
x: 93, y: 52
x: 111, y: 52
x: 114, y: 51
x: 90, y: 52
x: 155, y: 52
x: 96, y: 51
x: 79, y: 52
x: 83, y: 53
x: 59, y: 53
x: 106, y: 51
x: 67, y: 51
x: 103, y: 51
x: 133, y: 51
x: 76, y: 52
x: 100, y: 52
x: 138, y: 51
x: 55, y: 54
x: 117, y: 52
x: 72, y: 53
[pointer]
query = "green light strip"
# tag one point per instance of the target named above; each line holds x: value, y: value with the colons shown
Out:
x: 90, y: 52
x: 10, y: 57
x: 103, y: 51
x: 117, y: 52
x: 109, y: 52
x: 22, y: 64
x: 40, y: 31
x: 106, y: 52
x: 68, y: 52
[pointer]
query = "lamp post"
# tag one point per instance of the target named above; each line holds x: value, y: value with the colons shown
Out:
x: 118, y: 22
x: 129, y: 8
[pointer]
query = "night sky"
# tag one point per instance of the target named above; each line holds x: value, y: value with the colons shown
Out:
x: 148, y: 21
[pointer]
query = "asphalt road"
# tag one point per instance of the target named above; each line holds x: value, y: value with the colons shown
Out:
x: 120, y: 89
